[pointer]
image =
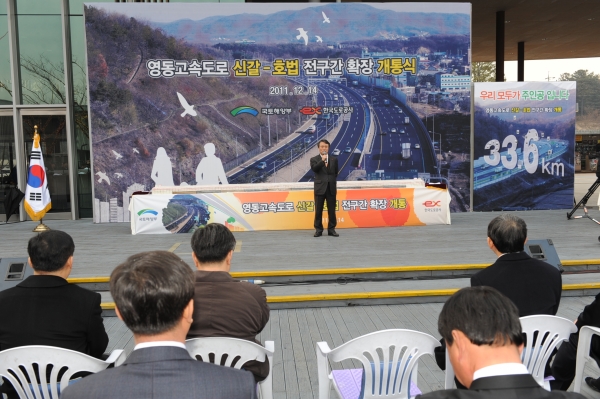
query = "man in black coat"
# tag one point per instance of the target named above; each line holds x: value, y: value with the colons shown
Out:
x: 45, y: 309
x: 533, y: 285
x: 482, y: 331
x: 563, y: 368
x: 325, y: 167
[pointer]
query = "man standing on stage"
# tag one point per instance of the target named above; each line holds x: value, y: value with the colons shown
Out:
x: 325, y: 167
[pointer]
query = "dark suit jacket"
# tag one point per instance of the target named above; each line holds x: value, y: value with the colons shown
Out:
x: 224, y: 307
x: 47, y: 310
x: 590, y: 317
x: 324, y: 175
x: 533, y: 285
x: 164, y: 372
x: 502, y: 387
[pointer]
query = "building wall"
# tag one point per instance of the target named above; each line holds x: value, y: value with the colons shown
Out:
x: 43, y: 75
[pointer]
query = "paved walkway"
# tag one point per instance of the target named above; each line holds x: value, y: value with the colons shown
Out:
x: 296, y: 331
x: 101, y: 247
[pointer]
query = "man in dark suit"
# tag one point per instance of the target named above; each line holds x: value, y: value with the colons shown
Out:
x: 533, y: 285
x: 325, y: 167
x: 563, y: 368
x: 153, y: 294
x: 482, y: 331
x: 45, y: 309
x: 224, y: 307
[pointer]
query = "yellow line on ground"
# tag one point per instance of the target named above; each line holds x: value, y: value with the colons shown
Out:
x: 393, y: 294
x: 82, y: 280
x: 354, y: 270
x: 580, y: 262
x: 359, y: 295
x: 357, y: 270
x: 174, y: 247
x: 581, y: 286
x: 379, y: 295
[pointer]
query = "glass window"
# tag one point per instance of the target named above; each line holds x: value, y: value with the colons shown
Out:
x: 53, y: 135
x: 41, y: 59
x: 207, y: 1
x: 84, y: 177
x: 5, y: 79
x: 76, y: 6
x: 38, y: 7
x: 8, y: 159
x: 2, y: 7
x: 78, y: 48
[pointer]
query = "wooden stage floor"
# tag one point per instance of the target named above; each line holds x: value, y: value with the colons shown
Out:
x: 100, y: 247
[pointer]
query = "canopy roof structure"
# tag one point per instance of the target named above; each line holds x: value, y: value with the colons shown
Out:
x: 551, y: 29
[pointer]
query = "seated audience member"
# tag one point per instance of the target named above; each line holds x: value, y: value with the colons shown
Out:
x: 45, y: 309
x: 153, y: 294
x: 482, y: 331
x: 533, y: 285
x: 563, y: 368
x: 224, y: 307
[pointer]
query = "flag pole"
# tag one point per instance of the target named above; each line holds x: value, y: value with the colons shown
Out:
x: 40, y: 228
x: 34, y: 210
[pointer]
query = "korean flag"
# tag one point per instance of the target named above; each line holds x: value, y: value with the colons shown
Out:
x: 37, y: 196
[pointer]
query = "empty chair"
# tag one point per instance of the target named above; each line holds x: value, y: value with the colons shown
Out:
x: 389, y: 364
x: 449, y: 376
x: 17, y: 366
x: 586, y: 333
x: 233, y: 352
x: 544, y: 333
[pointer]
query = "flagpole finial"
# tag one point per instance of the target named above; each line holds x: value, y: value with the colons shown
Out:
x: 36, y: 137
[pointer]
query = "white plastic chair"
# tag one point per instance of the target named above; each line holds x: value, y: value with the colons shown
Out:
x: 234, y: 349
x: 586, y: 334
x: 555, y: 329
x: 393, y: 377
x: 449, y: 376
x: 16, y: 365
x: 551, y: 331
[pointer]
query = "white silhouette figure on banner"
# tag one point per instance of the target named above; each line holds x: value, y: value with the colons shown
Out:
x: 189, y: 109
x: 162, y: 171
x: 102, y: 177
x: 210, y: 169
x: 303, y: 35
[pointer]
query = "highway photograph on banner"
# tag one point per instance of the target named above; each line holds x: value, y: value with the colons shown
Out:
x: 524, y: 141
x: 217, y: 93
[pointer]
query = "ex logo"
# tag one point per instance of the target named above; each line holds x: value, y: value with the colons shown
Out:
x: 431, y: 204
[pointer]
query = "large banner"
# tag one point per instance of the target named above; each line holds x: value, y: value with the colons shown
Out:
x: 524, y: 145
x: 287, y: 210
x: 192, y: 94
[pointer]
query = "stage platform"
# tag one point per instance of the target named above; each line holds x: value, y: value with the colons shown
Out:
x: 100, y: 247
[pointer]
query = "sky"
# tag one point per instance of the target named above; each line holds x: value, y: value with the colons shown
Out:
x: 540, y: 70
x: 203, y: 10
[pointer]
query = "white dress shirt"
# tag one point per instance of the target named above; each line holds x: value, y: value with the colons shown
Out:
x: 159, y: 343
x: 500, y: 369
